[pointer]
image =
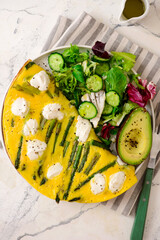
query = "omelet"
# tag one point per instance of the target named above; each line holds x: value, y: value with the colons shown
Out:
x: 46, y: 150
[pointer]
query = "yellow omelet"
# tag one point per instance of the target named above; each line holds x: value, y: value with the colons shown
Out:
x: 84, y: 171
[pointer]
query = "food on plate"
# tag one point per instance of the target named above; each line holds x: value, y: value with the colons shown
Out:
x: 59, y: 126
x: 103, y: 88
x: 134, y: 138
x: 53, y: 147
x: 56, y: 61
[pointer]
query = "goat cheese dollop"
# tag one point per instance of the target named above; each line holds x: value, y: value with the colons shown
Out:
x: 98, y: 183
x: 20, y: 107
x: 54, y: 170
x: 30, y: 127
x: 40, y: 80
x: 83, y: 128
x: 52, y: 111
x: 35, y: 148
x: 116, y: 181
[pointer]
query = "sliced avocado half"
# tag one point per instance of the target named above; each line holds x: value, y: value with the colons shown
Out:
x: 134, y: 139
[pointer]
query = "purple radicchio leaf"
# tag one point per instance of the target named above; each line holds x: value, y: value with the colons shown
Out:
x: 98, y: 50
x: 139, y: 96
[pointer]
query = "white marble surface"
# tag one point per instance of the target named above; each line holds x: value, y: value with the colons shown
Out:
x: 24, y: 213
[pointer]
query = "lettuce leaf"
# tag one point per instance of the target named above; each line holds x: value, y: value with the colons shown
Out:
x: 89, y: 68
x: 65, y: 81
x: 135, y: 78
x: 72, y: 55
x: 124, y: 60
x: 116, y: 80
x: 78, y: 73
x: 128, y: 106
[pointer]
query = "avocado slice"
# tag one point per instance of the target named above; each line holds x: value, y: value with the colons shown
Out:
x: 134, y: 139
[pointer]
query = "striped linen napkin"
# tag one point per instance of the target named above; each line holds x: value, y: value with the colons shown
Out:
x: 86, y: 30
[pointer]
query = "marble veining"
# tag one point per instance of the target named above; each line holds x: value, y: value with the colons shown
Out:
x: 25, y: 213
x: 63, y: 222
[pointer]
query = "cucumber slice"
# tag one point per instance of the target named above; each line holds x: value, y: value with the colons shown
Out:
x: 112, y: 98
x: 101, y: 68
x: 99, y: 59
x: 94, y: 83
x: 55, y: 61
x: 87, y: 110
x: 107, y: 109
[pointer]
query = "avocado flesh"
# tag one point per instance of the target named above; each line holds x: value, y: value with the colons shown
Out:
x: 134, y: 139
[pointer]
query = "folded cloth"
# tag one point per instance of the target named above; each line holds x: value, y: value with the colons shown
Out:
x: 85, y: 30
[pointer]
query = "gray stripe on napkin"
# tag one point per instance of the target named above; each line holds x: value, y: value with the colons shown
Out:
x: 91, y: 40
x: 157, y: 165
x: 56, y: 33
x: 138, y: 51
x: 133, y: 198
x: 107, y: 35
x: 116, y: 42
x: 127, y: 47
x: 70, y: 30
x: 50, y: 37
x: 82, y: 30
x: 117, y: 202
x: 154, y: 70
x: 145, y: 62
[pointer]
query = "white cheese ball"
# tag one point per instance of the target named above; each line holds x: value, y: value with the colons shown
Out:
x: 20, y: 107
x: 83, y: 128
x: 98, y: 183
x: 116, y: 181
x: 30, y: 127
x: 52, y: 111
x: 54, y: 170
x: 35, y: 148
x: 40, y: 80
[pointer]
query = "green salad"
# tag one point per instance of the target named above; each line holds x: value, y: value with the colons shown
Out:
x: 101, y: 85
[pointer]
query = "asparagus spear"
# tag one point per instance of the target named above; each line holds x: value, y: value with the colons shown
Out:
x: 17, y: 161
x: 75, y: 143
x: 29, y: 65
x: 42, y: 122
x: 74, y: 199
x: 26, y: 79
x: 58, y: 129
x: 92, y: 163
x: 75, y: 165
x: 85, y: 155
x: 66, y: 145
x: 50, y: 130
x: 34, y: 177
x: 12, y: 122
x: 56, y: 92
x: 57, y: 198
x: 93, y: 174
x: 40, y: 171
x: 49, y: 94
x: 44, y: 180
x: 26, y: 88
x: 67, y: 130
x: 98, y: 144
